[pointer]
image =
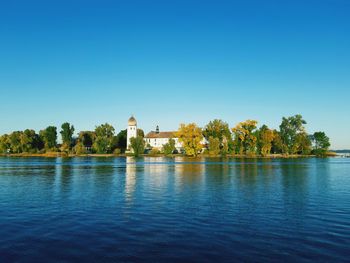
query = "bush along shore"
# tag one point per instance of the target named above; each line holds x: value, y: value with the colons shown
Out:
x: 216, y: 139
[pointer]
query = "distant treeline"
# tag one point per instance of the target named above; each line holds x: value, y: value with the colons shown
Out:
x: 243, y: 139
x: 342, y: 151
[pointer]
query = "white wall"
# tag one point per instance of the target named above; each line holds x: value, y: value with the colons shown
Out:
x: 159, y: 142
x: 131, y: 133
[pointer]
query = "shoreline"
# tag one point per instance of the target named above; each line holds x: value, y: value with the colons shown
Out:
x: 64, y: 155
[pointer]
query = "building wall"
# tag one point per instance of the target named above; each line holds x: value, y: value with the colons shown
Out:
x: 159, y: 142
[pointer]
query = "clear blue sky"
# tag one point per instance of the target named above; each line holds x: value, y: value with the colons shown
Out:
x: 167, y: 62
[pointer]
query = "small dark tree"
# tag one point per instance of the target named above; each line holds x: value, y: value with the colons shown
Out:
x: 121, y: 139
x: 321, y: 143
x: 49, y: 137
x: 67, y: 135
x: 137, y: 145
x: 169, y: 147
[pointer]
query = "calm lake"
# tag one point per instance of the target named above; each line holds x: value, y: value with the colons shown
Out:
x: 174, y: 210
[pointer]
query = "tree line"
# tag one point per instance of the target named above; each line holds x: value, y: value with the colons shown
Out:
x: 102, y: 140
x: 246, y: 138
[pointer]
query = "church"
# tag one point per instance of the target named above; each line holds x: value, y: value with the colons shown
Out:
x: 153, y: 139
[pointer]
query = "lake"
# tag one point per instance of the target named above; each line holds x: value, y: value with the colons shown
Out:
x: 174, y: 210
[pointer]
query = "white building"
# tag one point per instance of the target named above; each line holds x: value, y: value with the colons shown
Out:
x: 154, y: 139
x: 131, y: 131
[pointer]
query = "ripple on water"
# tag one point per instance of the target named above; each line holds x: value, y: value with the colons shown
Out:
x: 119, y: 209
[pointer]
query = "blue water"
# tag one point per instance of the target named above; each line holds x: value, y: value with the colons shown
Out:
x: 174, y: 210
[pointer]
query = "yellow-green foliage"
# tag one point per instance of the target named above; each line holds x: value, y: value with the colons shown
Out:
x: 266, y: 138
x: 214, y: 146
x: 190, y: 135
x: 245, y: 137
x: 117, y: 151
x: 154, y: 151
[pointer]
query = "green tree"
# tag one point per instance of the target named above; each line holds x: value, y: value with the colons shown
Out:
x: 265, y: 138
x: 191, y: 137
x: 121, y: 139
x: 214, y: 146
x: 15, y: 142
x: 104, y: 138
x: 86, y: 138
x: 140, y: 133
x: 67, y: 135
x: 245, y: 137
x: 49, y: 137
x: 169, y: 147
x: 219, y: 129
x: 28, y: 140
x: 321, y: 143
x: 225, y: 146
x: 302, y: 144
x: 289, y: 129
x: 137, y: 145
x: 84, y: 142
x: 5, y: 145
x: 277, y: 144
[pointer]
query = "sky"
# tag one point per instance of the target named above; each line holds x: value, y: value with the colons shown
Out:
x: 171, y: 62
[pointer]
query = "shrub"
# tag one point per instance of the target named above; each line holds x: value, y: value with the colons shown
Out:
x: 117, y: 151
x: 154, y: 151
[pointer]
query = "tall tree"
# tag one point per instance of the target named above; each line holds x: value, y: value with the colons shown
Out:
x: 140, y: 133
x: 265, y: 138
x: 84, y: 142
x: 217, y: 129
x: 245, y: 136
x: 121, y: 139
x: 277, y: 144
x: 289, y: 129
x: 190, y: 136
x: 137, y: 145
x: 302, y: 144
x: 104, y: 138
x: 15, y: 142
x: 28, y: 140
x: 214, y: 146
x: 49, y: 137
x: 5, y: 145
x: 220, y: 130
x: 67, y: 135
x: 321, y: 143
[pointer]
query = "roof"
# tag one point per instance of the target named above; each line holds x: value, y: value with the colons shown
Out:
x: 132, y: 121
x: 153, y: 134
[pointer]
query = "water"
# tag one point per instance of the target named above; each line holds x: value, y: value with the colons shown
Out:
x: 174, y: 210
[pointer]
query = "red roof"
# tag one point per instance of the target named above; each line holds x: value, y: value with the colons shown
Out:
x: 153, y: 134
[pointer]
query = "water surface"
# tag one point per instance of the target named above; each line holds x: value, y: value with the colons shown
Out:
x: 174, y: 210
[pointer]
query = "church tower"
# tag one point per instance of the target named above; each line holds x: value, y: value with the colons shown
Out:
x: 131, y: 131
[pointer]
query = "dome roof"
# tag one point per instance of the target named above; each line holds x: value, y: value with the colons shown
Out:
x: 132, y: 121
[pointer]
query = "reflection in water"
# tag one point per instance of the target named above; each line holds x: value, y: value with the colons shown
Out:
x: 247, y: 172
x: 294, y: 176
x: 189, y: 172
x: 103, y: 175
x: 218, y: 172
x: 156, y: 172
x: 66, y: 174
x: 130, y: 179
